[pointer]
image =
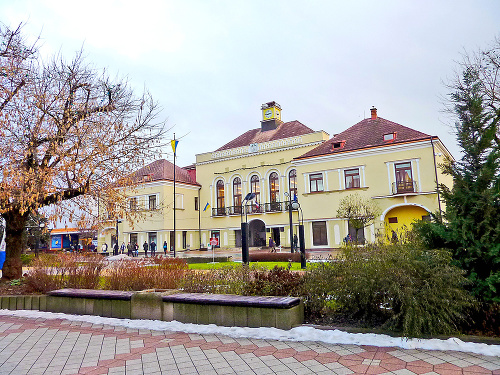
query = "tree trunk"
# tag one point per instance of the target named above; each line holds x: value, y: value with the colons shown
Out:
x: 14, y: 229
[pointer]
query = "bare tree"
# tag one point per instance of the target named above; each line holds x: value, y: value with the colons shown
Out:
x: 359, y: 212
x: 67, y: 132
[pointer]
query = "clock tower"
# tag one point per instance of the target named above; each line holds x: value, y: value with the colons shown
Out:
x: 271, y: 116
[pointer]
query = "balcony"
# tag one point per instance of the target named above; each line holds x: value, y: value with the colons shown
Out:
x: 252, y: 209
x: 404, y: 187
x: 273, y: 207
x: 219, y: 211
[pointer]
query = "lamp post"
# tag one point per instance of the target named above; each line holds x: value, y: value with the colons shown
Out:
x: 115, y: 247
x: 302, y: 241
x: 244, y: 228
x: 41, y: 226
x: 290, y: 219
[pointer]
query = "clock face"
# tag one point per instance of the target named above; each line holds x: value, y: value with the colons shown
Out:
x: 268, y: 113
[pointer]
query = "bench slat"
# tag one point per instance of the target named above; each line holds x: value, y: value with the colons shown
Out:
x: 233, y: 300
x: 93, y: 293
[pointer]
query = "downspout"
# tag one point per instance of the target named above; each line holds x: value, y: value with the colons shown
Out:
x: 437, y: 182
x: 199, y: 218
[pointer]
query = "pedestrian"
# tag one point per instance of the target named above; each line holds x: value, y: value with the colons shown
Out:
x: 104, y: 247
x: 152, y: 246
x: 136, y: 248
x: 295, y: 242
x: 165, y: 247
x: 130, y: 249
x: 115, y: 248
x: 145, y: 247
x: 272, y: 245
x: 92, y: 247
x: 122, y: 247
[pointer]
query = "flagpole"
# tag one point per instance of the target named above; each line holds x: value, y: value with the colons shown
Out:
x: 175, y: 148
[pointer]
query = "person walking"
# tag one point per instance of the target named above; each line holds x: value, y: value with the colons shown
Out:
x: 272, y: 245
x: 122, y: 247
x: 145, y: 248
x: 165, y: 247
x: 152, y: 246
x: 136, y: 248
x: 104, y: 247
x: 130, y: 249
x: 115, y: 248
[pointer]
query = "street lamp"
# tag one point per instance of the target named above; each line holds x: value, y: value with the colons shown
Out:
x: 41, y: 226
x: 290, y: 219
x: 244, y: 228
x: 302, y: 241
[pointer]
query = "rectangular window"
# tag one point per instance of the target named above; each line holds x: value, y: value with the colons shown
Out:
x: 404, y: 180
x: 184, y: 239
x: 196, y: 207
x: 319, y: 233
x: 316, y: 182
x: 393, y: 220
x: 152, y: 202
x: 352, y: 178
x: 133, y: 204
x: 133, y: 238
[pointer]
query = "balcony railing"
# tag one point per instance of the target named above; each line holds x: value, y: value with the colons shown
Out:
x: 219, y: 211
x: 403, y: 187
x: 252, y: 209
x: 273, y: 207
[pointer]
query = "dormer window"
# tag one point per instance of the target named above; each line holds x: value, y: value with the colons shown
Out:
x: 338, y: 145
x: 389, y: 137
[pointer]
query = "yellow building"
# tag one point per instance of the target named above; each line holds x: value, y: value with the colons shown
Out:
x: 392, y: 164
x: 153, y: 198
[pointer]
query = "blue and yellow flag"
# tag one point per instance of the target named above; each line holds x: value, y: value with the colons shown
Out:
x: 174, y: 144
x: 206, y: 206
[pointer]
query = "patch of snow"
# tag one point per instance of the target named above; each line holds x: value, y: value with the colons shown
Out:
x: 301, y: 333
x: 118, y: 257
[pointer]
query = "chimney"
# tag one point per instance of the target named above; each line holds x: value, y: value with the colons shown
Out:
x: 374, y: 112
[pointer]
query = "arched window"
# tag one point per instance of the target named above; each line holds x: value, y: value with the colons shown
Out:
x: 274, y: 187
x: 237, y: 194
x: 255, y: 188
x: 220, y: 197
x: 292, y: 183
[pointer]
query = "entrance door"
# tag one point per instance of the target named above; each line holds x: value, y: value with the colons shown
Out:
x: 276, y: 236
x: 257, y: 233
x: 216, y: 234
x: 172, y: 241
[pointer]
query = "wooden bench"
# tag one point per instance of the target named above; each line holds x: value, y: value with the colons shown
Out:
x: 233, y: 310
x: 220, y: 309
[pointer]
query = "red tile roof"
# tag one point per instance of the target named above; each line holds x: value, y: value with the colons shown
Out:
x: 163, y: 170
x: 366, y: 134
x: 285, y: 130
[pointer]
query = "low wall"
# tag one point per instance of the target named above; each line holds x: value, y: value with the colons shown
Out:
x: 222, y: 310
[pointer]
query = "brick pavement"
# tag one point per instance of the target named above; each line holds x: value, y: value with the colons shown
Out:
x: 50, y: 346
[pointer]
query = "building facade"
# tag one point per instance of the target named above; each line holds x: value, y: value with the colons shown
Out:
x: 384, y: 161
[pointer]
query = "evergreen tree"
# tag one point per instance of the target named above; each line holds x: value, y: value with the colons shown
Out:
x: 472, y: 220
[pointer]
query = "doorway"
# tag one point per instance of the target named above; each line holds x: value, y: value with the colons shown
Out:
x: 276, y: 236
x: 257, y: 233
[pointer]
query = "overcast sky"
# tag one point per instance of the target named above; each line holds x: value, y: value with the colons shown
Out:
x: 211, y: 64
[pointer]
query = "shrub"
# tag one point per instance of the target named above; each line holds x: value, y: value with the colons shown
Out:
x: 409, y: 289
x: 51, y: 271
x: 278, y: 281
x: 229, y: 279
x: 145, y: 273
x: 27, y: 259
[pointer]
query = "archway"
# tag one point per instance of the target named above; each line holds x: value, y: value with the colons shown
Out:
x: 257, y: 233
x: 398, y: 220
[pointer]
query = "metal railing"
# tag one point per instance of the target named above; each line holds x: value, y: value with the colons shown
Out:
x: 273, y: 207
x: 219, y: 211
x: 402, y: 187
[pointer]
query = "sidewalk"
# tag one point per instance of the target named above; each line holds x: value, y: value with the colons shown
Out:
x: 43, y: 346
